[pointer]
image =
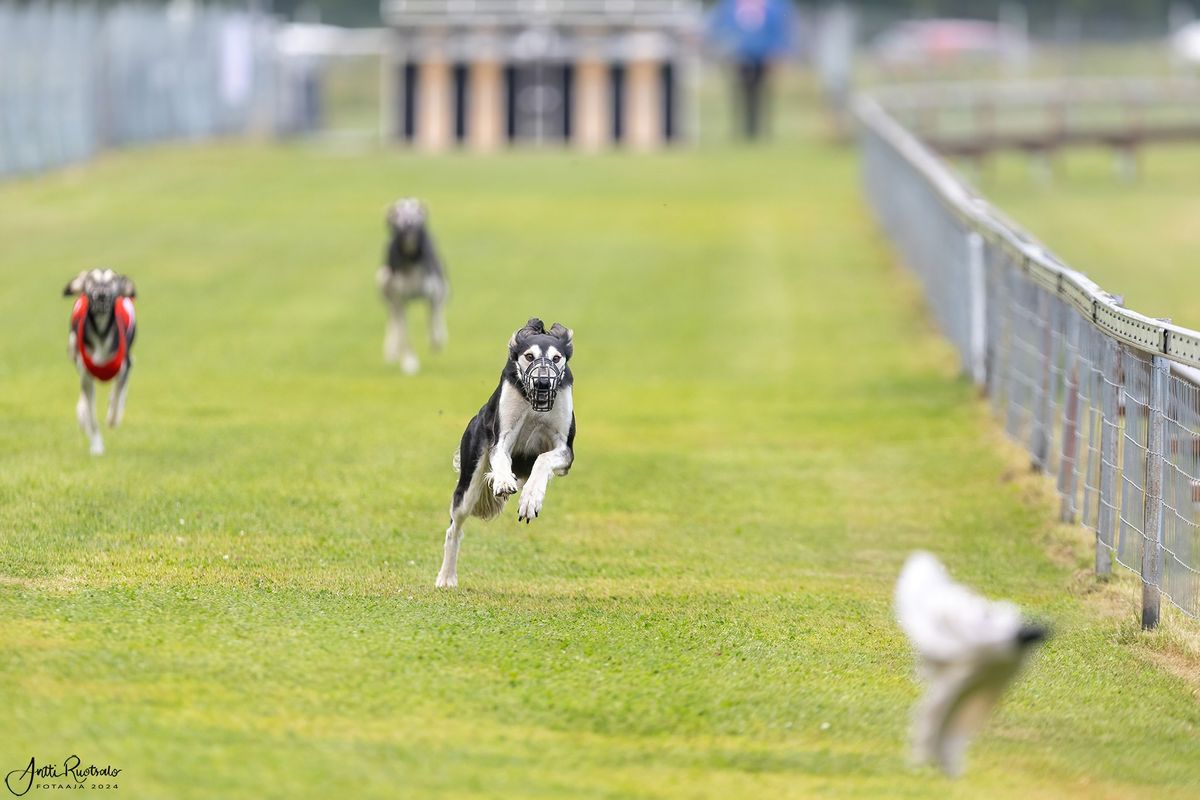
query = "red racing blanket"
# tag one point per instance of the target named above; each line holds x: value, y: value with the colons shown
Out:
x: 125, y: 322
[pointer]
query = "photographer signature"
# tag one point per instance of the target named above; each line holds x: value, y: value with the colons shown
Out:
x: 20, y: 781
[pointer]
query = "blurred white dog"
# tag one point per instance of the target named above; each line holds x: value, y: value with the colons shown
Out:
x: 968, y: 648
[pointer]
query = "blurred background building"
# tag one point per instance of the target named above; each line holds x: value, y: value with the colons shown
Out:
x: 491, y: 74
x: 592, y: 73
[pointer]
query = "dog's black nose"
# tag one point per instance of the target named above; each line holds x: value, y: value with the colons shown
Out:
x: 542, y: 383
x: 1032, y: 634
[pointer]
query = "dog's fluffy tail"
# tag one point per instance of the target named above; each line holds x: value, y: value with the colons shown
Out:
x: 457, y: 462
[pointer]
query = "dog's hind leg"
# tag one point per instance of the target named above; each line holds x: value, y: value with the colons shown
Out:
x: 932, y: 715
x: 448, y: 575
x: 116, y: 403
x: 396, y: 347
x: 85, y: 411
x: 466, y: 496
x: 437, y: 322
x: 392, y: 333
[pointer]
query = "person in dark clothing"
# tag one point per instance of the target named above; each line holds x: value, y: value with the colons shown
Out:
x: 753, y: 33
x: 751, y: 75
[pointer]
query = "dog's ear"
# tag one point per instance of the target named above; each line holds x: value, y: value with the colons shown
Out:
x: 532, y: 327
x: 566, y: 336
x: 125, y: 287
x: 76, y: 284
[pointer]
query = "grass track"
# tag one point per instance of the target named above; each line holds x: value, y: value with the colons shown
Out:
x: 237, y: 600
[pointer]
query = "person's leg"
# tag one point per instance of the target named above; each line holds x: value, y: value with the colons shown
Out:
x: 756, y: 74
x: 744, y: 101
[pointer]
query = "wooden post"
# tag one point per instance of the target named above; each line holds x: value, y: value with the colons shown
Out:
x: 643, y: 104
x: 592, y: 124
x: 435, y: 100
x: 485, y: 128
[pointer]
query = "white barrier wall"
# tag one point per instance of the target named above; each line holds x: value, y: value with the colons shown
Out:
x: 74, y: 80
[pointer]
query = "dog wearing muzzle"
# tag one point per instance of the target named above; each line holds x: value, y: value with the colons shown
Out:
x: 100, y: 342
x: 523, y: 435
x: 411, y: 271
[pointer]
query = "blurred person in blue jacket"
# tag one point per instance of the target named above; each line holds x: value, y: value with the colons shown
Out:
x: 752, y: 33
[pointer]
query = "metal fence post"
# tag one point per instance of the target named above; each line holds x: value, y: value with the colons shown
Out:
x: 1039, y: 444
x: 1093, y: 366
x: 978, y: 289
x: 1070, y: 434
x: 1014, y: 357
x: 1106, y: 516
x: 1129, y: 459
x: 1152, y: 555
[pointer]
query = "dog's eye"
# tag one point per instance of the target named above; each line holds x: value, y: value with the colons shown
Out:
x: 529, y: 356
x: 556, y: 359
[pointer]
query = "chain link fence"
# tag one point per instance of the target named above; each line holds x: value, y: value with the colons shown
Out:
x: 1105, y: 400
x: 75, y: 80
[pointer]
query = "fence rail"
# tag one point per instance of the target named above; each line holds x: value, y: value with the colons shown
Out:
x: 1105, y: 400
x: 973, y: 119
x: 603, y: 13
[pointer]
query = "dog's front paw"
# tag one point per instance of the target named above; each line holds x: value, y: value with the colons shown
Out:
x: 447, y: 581
x: 504, y: 485
x: 114, y: 418
x: 531, y: 502
x: 409, y: 364
x: 97, y: 448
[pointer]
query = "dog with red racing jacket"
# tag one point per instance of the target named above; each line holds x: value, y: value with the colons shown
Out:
x: 100, y: 343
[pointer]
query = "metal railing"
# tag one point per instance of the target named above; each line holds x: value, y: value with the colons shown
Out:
x: 584, y: 13
x: 1105, y: 400
x: 977, y: 118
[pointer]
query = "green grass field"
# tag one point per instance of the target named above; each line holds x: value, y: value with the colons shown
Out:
x: 237, y: 600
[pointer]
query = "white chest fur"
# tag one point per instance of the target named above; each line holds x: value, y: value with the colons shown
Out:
x: 101, y: 348
x: 534, y: 432
x: 405, y: 285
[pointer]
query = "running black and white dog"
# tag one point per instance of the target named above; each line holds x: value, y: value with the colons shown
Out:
x: 524, y: 434
x: 100, y: 343
x: 411, y: 271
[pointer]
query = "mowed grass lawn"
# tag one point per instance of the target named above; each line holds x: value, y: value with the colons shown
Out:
x: 237, y: 600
